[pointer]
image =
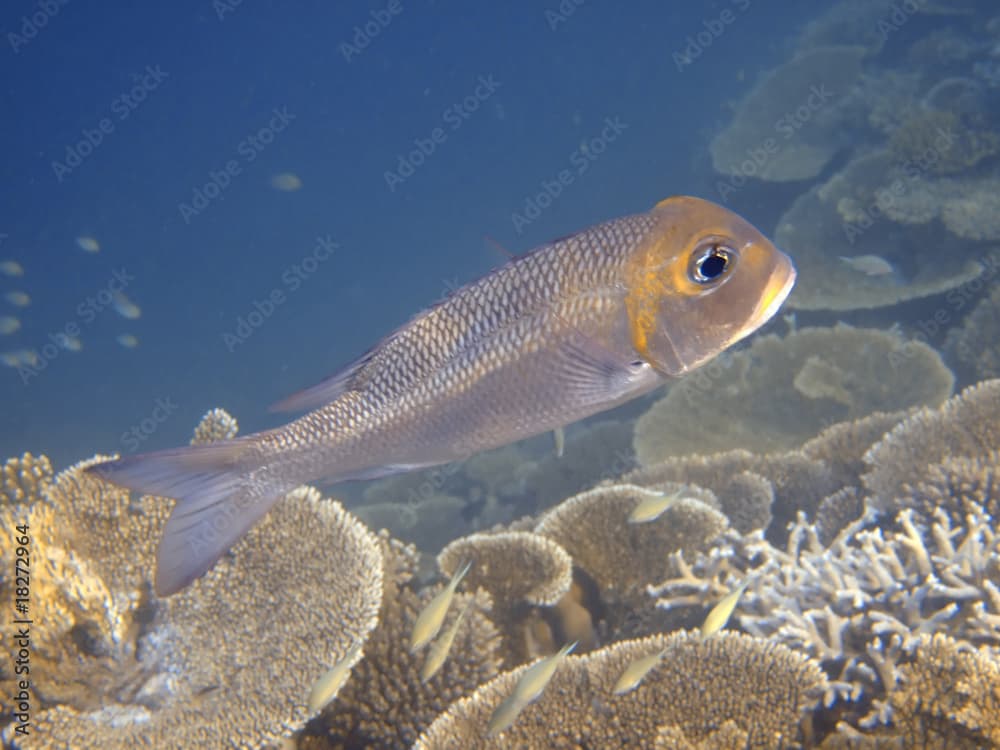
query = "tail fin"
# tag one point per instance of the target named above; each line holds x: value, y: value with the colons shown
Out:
x: 216, y: 504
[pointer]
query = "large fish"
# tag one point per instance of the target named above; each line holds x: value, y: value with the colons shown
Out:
x: 570, y: 329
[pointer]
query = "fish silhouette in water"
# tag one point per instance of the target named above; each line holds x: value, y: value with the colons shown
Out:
x: 572, y: 328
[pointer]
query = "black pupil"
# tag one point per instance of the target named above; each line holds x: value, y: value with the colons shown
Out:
x: 713, y: 265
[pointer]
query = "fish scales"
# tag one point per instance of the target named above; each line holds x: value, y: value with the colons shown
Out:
x: 574, y: 327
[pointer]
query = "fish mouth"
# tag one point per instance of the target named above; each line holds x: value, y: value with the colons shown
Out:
x: 779, y: 286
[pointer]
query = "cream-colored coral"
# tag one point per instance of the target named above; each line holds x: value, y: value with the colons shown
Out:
x: 847, y: 217
x: 385, y: 704
x: 620, y: 556
x: 730, y: 680
x: 799, y: 482
x: 300, y: 590
x: 217, y: 424
x: 966, y: 425
x: 975, y: 344
x: 25, y: 479
x: 842, y: 446
x: 948, y: 695
x: 790, y: 116
x: 784, y: 390
x: 513, y: 566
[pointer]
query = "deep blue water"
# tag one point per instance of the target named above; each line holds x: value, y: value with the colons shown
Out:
x: 513, y: 97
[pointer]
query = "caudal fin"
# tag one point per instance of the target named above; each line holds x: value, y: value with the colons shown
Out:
x: 216, y: 504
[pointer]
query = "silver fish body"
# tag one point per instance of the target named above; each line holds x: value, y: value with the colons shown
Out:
x: 575, y: 327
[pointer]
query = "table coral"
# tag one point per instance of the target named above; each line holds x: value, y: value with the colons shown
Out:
x: 165, y: 672
x: 731, y: 683
x: 385, y: 704
x: 782, y: 391
x: 790, y: 118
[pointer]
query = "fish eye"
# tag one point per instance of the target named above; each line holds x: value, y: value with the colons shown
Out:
x: 710, y: 263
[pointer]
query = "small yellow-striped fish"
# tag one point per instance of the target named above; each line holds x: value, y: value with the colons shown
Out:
x: 721, y: 612
x: 18, y: 299
x: 11, y: 268
x: 636, y: 671
x: 870, y: 265
x: 438, y: 652
x: 9, y: 325
x: 327, y: 686
x: 652, y: 506
x: 127, y: 340
x: 432, y: 616
x: 529, y: 687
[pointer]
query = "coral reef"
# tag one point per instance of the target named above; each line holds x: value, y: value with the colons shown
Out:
x: 513, y: 566
x: 846, y: 217
x: 385, y: 704
x: 216, y: 425
x: 703, y: 691
x: 25, y: 479
x: 117, y: 667
x: 783, y: 391
x: 968, y: 425
x: 975, y: 344
x: 790, y: 117
x: 622, y: 557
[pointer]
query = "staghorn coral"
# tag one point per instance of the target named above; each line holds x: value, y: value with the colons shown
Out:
x: 846, y: 217
x: 958, y: 486
x: 25, y: 479
x: 838, y: 511
x: 141, y: 670
x: 966, y: 425
x: 216, y: 425
x: 725, y: 686
x: 512, y: 566
x: 385, y: 704
x: 622, y: 557
x: 855, y: 604
x: 784, y: 390
x: 975, y: 344
x: 790, y: 116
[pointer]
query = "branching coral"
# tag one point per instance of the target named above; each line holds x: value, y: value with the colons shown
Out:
x: 854, y: 604
x: 385, y: 704
x: 790, y: 117
x: 728, y: 685
x: 782, y: 391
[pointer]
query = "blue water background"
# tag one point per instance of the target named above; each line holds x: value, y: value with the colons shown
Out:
x: 398, y: 249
